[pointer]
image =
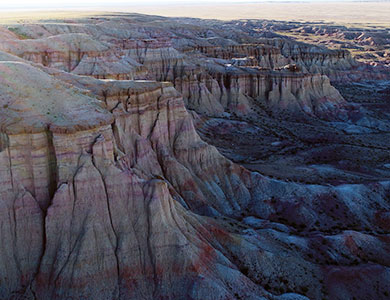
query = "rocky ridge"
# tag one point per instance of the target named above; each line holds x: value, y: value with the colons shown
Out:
x: 117, y: 195
x: 214, y: 72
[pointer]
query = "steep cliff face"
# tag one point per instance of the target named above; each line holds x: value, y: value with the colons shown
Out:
x: 117, y: 196
x: 118, y: 208
x: 313, y: 59
x: 84, y: 54
x: 61, y: 51
x: 354, y: 45
x: 249, y: 91
x: 262, y: 55
x: 144, y: 234
x: 214, y: 74
x: 138, y: 33
x: 34, y: 160
x: 33, y: 119
x: 78, y: 188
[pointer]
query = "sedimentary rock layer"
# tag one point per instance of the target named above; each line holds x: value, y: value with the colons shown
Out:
x: 214, y: 72
x: 108, y: 192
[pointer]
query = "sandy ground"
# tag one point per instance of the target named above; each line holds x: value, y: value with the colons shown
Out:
x: 372, y: 13
x: 353, y: 12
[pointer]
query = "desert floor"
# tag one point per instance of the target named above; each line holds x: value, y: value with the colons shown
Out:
x: 363, y: 13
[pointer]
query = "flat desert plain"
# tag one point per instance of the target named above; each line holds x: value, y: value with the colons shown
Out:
x: 327, y: 11
x: 370, y: 13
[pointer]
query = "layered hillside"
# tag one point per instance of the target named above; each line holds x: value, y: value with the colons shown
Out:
x: 149, y: 158
x: 366, y: 43
x: 213, y: 69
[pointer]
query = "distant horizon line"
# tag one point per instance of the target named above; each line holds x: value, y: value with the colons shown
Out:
x: 113, y: 4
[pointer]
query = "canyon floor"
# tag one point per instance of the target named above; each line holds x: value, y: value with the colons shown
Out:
x: 151, y: 157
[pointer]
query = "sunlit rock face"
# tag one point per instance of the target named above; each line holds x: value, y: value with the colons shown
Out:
x: 149, y: 158
x: 213, y: 73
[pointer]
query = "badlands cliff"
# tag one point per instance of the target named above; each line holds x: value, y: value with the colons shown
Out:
x: 150, y: 158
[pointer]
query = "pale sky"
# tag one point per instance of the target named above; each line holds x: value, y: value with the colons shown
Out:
x: 13, y: 4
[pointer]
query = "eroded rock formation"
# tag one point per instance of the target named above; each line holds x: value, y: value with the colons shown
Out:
x: 107, y: 190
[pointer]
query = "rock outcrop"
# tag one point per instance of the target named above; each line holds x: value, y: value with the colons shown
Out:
x: 215, y: 74
x: 107, y: 191
x: 314, y: 59
x: 248, y: 91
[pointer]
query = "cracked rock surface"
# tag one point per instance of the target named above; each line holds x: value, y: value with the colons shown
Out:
x: 151, y: 158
